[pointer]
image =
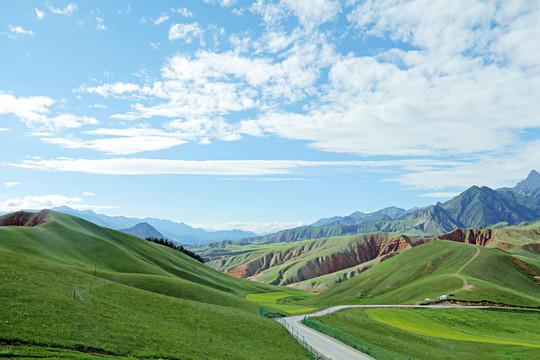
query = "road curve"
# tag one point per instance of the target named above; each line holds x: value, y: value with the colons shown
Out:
x: 334, y: 349
x: 323, y: 344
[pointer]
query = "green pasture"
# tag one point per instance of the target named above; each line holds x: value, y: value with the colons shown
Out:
x: 464, y: 324
x: 445, y: 333
x: 282, y: 300
x: 429, y: 270
x: 146, y: 301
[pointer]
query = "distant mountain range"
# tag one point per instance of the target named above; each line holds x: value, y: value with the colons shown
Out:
x: 477, y: 207
x: 144, y: 230
x: 389, y: 213
x: 174, y: 231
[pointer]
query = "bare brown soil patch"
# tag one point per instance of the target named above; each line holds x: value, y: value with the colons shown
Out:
x: 23, y: 218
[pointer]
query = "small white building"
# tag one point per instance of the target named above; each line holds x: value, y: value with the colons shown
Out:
x: 442, y: 297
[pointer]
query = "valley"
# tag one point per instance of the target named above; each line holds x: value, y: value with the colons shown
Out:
x: 79, y: 290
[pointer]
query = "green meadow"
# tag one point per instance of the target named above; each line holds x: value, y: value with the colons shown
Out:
x: 431, y: 270
x: 283, y: 300
x: 445, y: 333
x: 156, y: 302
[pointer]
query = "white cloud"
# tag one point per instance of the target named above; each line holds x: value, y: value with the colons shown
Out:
x: 37, y: 202
x: 17, y: 30
x: 140, y: 166
x: 88, y: 194
x: 225, y: 3
x: 99, y: 24
x: 312, y: 13
x: 183, y: 11
x: 493, y: 171
x: 186, y: 32
x: 114, y: 89
x: 11, y: 184
x: 39, y: 14
x: 123, y: 142
x: 4, y: 129
x: 160, y: 20
x: 68, y: 10
x: 437, y: 99
x: 259, y: 228
x: 273, y: 179
x: 33, y: 111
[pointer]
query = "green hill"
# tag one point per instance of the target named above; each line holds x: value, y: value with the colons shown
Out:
x: 436, y: 268
x: 321, y: 263
x: 169, y: 298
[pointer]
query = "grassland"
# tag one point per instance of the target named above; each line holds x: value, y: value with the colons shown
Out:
x: 282, y: 300
x: 445, y: 333
x: 430, y: 270
x: 171, y: 307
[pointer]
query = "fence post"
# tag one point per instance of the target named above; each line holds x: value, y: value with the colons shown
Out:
x: 90, y: 286
x: 74, y: 292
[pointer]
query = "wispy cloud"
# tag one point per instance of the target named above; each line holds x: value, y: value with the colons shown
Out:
x: 225, y: 3
x: 38, y: 202
x: 17, y: 30
x: 11, y: 184
x: 186, y: 32
x: 68, y: 10
x: 272, y: 179
x: 183, y: 11
x: 161, y: 19
x: 124, y: 142
x: 34, y: 112
x: 39, y: 14
x: 142, y: 166
x: 99, y: 24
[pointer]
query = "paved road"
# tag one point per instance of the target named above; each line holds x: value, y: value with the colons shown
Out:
x: 325, y: 345
x: 334, y: 349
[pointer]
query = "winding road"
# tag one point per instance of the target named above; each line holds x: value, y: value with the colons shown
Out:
x: 332, y: 348
x: 336, y: 350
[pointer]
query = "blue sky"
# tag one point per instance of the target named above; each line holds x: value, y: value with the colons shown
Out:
x: 261, y: 115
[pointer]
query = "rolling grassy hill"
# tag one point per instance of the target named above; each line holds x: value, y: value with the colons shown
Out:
x: 321, y: 263
x: 436, y: 268
x: 172, y: 305
x: 290, y: 263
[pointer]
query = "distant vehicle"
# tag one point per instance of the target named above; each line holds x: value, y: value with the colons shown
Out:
x: 442, y: 297
x: 451, y: 294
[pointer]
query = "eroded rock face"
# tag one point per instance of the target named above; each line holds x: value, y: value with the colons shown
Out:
x: 470, y: 236
x: 368, y: 247
x: 23, y: 218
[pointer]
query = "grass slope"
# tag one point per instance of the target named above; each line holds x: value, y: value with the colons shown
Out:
x: 445, y: 333
x: 429, y: 270
x: 322, y: 263
x: 170, y: 298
